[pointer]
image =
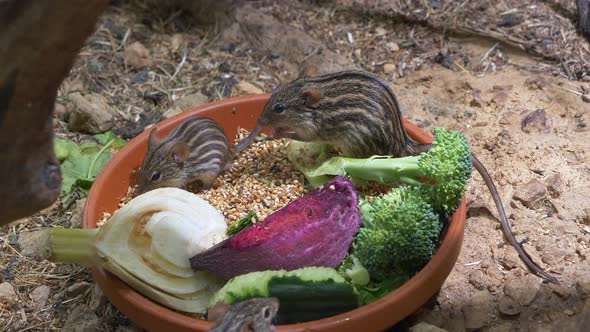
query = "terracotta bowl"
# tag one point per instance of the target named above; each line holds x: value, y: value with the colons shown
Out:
x: 111, y: 185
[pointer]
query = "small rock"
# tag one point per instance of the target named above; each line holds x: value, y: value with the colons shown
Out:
x: 583, y: 284
x: 560, y: 289
x: 192, y: 100
x: 509, y: 307
x: 389, y: 68
x: 358, y: 53
x: 82, y: 319
x: 97, y: 299
x: 90, y: 114
x: 380, y: 31
x: 511, y: 259
x: 28, y: 244
x: 536, y: 83
x: 476, y: 102
x: 555, y: 185
x: 446, y: 60
x: 523, y: 289
x: 392, y: 47
x: 425, y: 327
x: 501, y: 93
x: 477, y: 309
x: 175, y: 41
x: 76, y: 220
x: 509, y: 20
x: 140, y: 77
x: 568, y: 312
x: 531, y: 193
x: 248, y: 88
x: 508, y: 118
x: 172, y: 111
x: 60, y: 112
x: 586, y: 98
x: 77, y: 288
x: 478, y: 208
x: 7, y: 294
x: 137, y: 56
x: 536, y: 121
x: 478, y: 279
x: 39, y: 296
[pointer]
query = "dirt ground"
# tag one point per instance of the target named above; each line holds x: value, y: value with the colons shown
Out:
x: 515, y: 80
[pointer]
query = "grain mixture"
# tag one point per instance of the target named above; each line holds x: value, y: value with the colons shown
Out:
x: 261, y: 179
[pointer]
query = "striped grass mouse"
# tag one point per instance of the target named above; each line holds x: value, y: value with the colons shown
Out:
x: 196, y: 152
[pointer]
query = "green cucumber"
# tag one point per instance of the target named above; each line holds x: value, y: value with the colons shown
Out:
x: 305, y: 294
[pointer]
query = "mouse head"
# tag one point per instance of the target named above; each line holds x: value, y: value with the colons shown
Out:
x: 163, y: 164
x: 293, y: 110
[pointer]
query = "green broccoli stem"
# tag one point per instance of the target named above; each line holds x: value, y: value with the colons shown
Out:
x: 380, y: 169
x: 68, y: 245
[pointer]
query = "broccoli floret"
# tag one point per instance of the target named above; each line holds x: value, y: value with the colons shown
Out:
x: 399, y: 235
x: 447, y: 165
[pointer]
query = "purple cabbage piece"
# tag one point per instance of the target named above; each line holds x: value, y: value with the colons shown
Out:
x: 314, y: 230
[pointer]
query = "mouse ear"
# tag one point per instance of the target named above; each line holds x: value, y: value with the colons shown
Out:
x: 279, y: 87
x: 312, y: 96
x: 153, y: 139
x: 180, y: 152
x: 308, y: 70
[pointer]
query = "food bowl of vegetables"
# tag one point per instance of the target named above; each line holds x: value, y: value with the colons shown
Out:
x: 359, y: 285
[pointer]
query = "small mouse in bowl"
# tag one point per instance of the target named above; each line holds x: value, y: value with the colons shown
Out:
x: 196, y: 152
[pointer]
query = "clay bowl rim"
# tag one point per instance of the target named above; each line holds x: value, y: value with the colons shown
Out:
x: 408, y: 297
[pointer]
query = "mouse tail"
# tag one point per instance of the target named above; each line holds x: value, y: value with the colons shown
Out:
x: 246, y: 142
x: 524, y: 256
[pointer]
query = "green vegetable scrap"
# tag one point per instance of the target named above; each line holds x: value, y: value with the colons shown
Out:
x: 447, y: 164
x: 240, y: 225
x: 81, y: 164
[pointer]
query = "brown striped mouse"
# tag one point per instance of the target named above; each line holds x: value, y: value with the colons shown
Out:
x: 196, y: 152
x: 359, y: 113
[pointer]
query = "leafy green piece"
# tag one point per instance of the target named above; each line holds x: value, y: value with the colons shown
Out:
x: 103, y: 139
x: 63, y: 148
x: 81, y: 164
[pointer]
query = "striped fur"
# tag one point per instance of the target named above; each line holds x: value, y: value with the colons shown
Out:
x: 357, y: 111
x: 209, y: 154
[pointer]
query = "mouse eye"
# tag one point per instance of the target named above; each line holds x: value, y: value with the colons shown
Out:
x: 156, y: 176
x: 266, y: 312
x: 278, y: 108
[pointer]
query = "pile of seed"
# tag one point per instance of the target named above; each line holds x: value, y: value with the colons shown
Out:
x: 261, y: 179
